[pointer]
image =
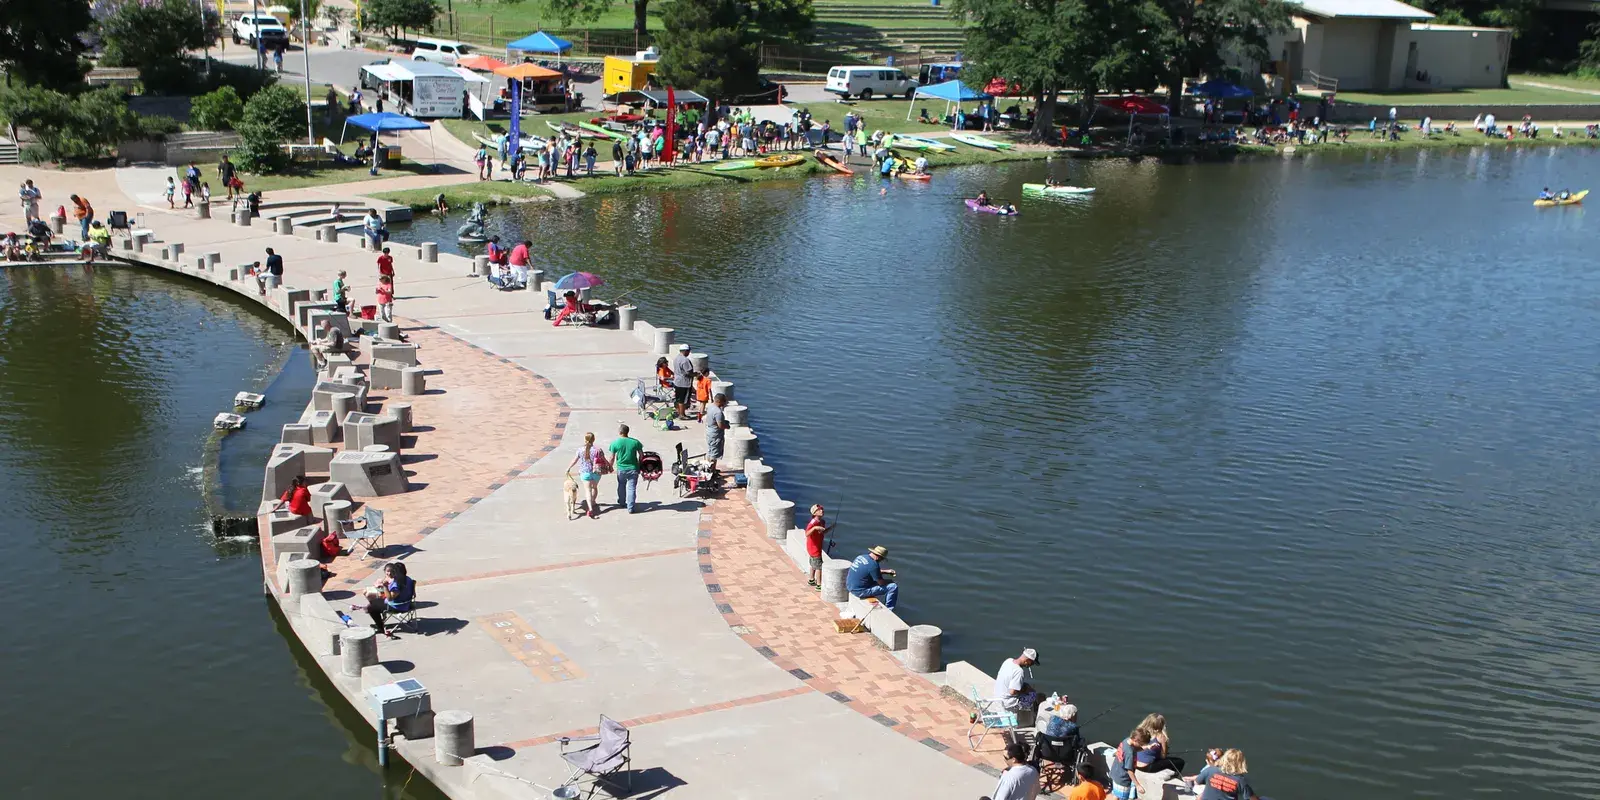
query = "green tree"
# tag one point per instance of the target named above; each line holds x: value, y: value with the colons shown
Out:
x: 83, y: 126
x: 271, y: 117
x: 1521, y: 16
x: 784, y: 19
x: 220, y: 110
x: 154, y: 37
x: 397, y: 15
x: 1197, y: 34
x: 40, y: 44
x: 569, y: 13
x: 709, y: 48
x: 1048, y: 46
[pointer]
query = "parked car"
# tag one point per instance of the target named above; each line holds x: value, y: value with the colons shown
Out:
x: 250, y: 27
x: 767, y: 93
x: 869, y: 82
x: 443, y: 51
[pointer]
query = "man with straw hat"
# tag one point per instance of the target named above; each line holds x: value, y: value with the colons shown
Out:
x: 868, y: 579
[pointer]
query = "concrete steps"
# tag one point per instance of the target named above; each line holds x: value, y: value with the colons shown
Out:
x: 9, y: 152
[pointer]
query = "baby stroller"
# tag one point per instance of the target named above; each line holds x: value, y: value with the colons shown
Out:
x: 650, y: 467
x: 690, y: 478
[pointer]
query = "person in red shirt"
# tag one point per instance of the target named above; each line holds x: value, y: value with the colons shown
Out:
x: 520, y: 261
x: 815, y: 530
x: 386, y: 263
x: 297, y: 497
x: 385, y: 292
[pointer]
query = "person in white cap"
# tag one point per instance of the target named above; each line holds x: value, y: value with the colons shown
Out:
x: 682, y: 380
x: 1010, y: 692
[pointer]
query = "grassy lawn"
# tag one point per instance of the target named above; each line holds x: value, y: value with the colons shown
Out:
x: 1468, y: 97
x: 1412, y: 141
x: 301, y: 174
x: 1572, y: 81
x: 515, y: 20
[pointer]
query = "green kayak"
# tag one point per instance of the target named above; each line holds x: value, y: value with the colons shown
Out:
x: 603, y: 131
x: 729, y: 166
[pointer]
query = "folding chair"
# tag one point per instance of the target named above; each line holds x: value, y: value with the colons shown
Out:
x: 991, y: 715
x: 602, y: 760
x: 368, y: 536
x: 404, y: 610
x: 648, y: 399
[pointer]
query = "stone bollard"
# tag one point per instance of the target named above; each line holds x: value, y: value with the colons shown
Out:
x: 480, y: 266
x: 358, y: 647
x: 430, y: 252
x: 758, y: 476
x: 402, y: 412
x: 285, y: 225
x: 330, y: 233
x: 177, y: 251
x: 126, y: 244
x: 342, y: 404
x: 663, y: 341
x: 335, y: 512
x: 741, y: 444
x: 626, y: 315
x: 413, y: 381
x: 242, y: 218
x: 57, y: 223
x: 212, y: 260
x: 204, y: 209
x: 924, y: 648
x: 362, y: 243
x: 724, y: 388
x: 233, y: 273
x: 834, y: 571
x: 453, y: 739
x: 779, y: 517
x: 389, y: 330
x: 535, y: 280
x: 737, y: 414
x: 139, y: 242
x: 701, y: 362
x: 200, y: 263
x: 305, y: 577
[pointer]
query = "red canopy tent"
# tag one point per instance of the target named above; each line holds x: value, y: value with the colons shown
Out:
x: 1133, y: 105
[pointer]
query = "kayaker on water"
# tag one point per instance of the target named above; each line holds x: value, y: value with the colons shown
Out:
x: 983, y: 199
x: 1566, y: 194
x: 1546, y: 195
x: 922, y: 165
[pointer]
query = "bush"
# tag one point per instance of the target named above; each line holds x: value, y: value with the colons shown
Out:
x: 158, y: 127
x: 274, y: 115
x: 244, y: 78
x: 34, y: 155
x: 220, y: 110
x: 85, y: 126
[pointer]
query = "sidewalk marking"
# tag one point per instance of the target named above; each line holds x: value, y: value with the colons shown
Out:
x: 667, y: 716
x: 538, y: 654
x: 589, y: 562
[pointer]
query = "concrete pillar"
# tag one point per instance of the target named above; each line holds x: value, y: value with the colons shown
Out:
x: 243, y: 217
x: 701, y: 361
x: 834, y: 571
x: 177, y: 251
x: 330, y: 233
x: 779, y: 517
x: 724, y: 388
x: 213, y: 259
x: 430, y: 252
x: 626, y: 315
x: 335, y: 512
x: 305, y: 577
x: 412, y: 381
x: 362, y: 243
x: 535, y: 280
x: 57, y: 223
x: 200, y: 263
x: 663, y: 341
x: 125, y: 244
x: 342, y: 404
x: 480, y: 266
x: 233, y: 273
x: 285, y: 225
x: 389, y: 330
x: 453, y: 737
x: 402, y: 412
x: 741, y: 444
x: 758, y: 476
x: 924, y: 648
x: 358, y: 647
x: 737, y: 414
x: 204, y: 209
x: 140, y: 240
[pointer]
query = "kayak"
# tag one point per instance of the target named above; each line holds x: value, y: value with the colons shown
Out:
x: 912, y: 176
x: 785, y: 160
x: 729, y: 166
x: 979, y: 141
x: 973, y: 204
x: 603, y: 131
x: 1039, y: 188
x: 1576, y: 198
x: 922, y: 144
x: 828, y: 160
x: 564, y: 127
x: 527, y: 142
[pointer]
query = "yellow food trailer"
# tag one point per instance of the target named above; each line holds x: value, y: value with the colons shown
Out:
x: 629, y: 74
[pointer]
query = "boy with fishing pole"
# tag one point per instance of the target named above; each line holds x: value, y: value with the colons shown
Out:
x: 815, y: 530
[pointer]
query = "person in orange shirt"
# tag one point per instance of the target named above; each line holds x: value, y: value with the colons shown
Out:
x: 702, y: 391
x: 663, y: 373
x: 83, y: 212
x: 1087, y: 788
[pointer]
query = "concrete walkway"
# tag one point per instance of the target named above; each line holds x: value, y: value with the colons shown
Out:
x: 683, y: 621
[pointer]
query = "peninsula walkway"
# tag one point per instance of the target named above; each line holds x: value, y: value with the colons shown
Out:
x: 683, y: 621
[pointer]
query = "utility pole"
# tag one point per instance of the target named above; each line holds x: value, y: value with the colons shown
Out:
x: 305, y: 47
x: 255, y: 20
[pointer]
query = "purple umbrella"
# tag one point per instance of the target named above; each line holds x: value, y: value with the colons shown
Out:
x: 579, y: 280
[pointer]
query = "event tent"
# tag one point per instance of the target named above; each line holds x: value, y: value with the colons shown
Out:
x: 481, y: 63
x: 1133, y: 105
x: 381, y: 121
x: 526, y: 70
x: 1220, y: 89
x: 951, y: 91
x: 541, y: 42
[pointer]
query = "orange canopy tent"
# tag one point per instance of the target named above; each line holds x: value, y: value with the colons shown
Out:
x: 527, y: 70
x: 481, y: 63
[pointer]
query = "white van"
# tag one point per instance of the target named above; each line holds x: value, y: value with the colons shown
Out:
x: 443, y: 51
x: 869, y: 82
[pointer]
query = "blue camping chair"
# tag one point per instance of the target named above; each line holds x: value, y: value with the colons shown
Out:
x: 368, y: 535
x: 404, y: 607
x: 991, y: 715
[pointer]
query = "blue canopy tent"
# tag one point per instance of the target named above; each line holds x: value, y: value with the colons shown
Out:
x: 952, y: 91
x: 381, y: 121
x: 1220, y: 89
x: 541, y: 43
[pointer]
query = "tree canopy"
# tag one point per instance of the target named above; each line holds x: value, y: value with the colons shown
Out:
x: 154, y: 37
x: 271, y: 117
x: 39, y: 41
x: 709, y: 48
x: 399, y: 14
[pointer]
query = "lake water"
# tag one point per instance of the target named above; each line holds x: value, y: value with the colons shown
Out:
x: 1299, y: 453
x: 141, y: 659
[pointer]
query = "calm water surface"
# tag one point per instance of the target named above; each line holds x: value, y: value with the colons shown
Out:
x: 1301, y: 454
x: 141, y: 660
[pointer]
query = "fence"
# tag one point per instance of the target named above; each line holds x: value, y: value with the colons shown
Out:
x: 1322, y: 82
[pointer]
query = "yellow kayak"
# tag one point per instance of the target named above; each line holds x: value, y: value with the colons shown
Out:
x: 785, y: 160
x: 1576, y: 198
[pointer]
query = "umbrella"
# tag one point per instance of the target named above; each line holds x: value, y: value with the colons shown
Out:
x: 527, y: 70
x: 1134, y: 104
x: 481, y: 63
x: 579, y: 280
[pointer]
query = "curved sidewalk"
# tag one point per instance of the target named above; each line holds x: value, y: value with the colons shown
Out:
x: 734, y: 687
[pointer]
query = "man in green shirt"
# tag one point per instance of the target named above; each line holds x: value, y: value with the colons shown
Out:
x: 625, y: 452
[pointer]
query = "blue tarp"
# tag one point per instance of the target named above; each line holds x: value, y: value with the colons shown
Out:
x: 385, y: 121
x: 540, y: 42
x: 1220, y: 89
x: 952, y: 91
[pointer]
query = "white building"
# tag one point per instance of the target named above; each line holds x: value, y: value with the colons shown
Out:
x: 1377, y: 45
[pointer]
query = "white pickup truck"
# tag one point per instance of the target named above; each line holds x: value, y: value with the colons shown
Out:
x: 249, y: 27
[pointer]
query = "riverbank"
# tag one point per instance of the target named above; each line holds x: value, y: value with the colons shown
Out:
x: 1363, y: 141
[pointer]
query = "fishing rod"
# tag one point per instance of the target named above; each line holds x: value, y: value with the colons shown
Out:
x: 1099, y: 715
x: 836, y: 516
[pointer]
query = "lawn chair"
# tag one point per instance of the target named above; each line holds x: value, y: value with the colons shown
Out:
x: 366, y: 532
x: 648, y: 399
x: 403, y: 609
x: 601, y: 761
x: 991, y: 715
